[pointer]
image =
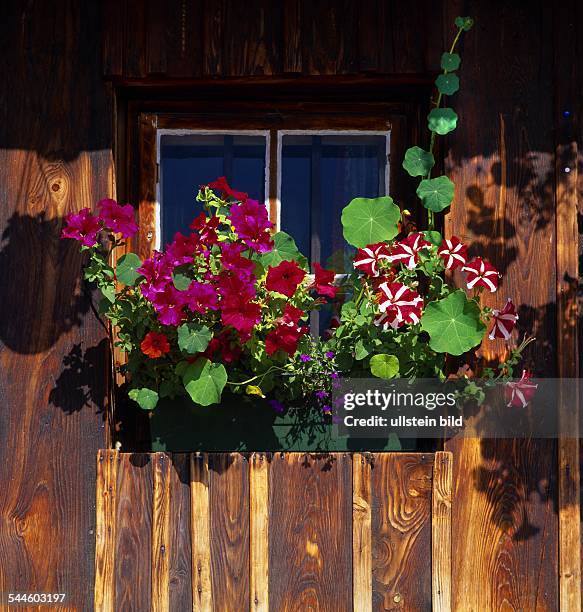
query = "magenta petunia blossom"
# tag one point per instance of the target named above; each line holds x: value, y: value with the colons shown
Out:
x: 82, y: 226
x: 182, y: 249
x: 119, y: 219
x: 252, y: 225
x: 201, y: 297
x: 206, y: 228
x: 232, y: 260
x: 169, y: 304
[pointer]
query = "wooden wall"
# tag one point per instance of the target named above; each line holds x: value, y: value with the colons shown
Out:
x: 56, y: 151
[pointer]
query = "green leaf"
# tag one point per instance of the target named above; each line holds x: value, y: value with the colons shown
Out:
x: 204, y: 381
x: 360, y: 350
x: 367, y: 221
x: 126, y: 269
x: 453, y: 324
x: 418, y: 162
x: 284, y: 249
x: 450, y: 61
x: 433, y: 237
x: 181, y: 281
x: 108, y: 292
x: 436, y: 193
x: 442, y: 120
x: 384, y: 366
x: 146, y: 398
x: 465, y: 23
x: 447, y: 84
x: 193, y: 338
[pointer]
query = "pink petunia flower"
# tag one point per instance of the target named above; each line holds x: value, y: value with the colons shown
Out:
x: 182, y: 249
x: 206, y: 228
x: 324, y: 281
x: 252, y: 225
x: 481, y: 273
x: 518, y: 394
x: 398, y: 306
x: 169, y: 304
x: 201, y: 297
x: 83, y: 227
x: 504, y: 321
x: 367, y: 259
x: 222, y: 185
x: 284, y: 278
x: 119, y: 219
x: 453, y: 252
x: 407, y: 251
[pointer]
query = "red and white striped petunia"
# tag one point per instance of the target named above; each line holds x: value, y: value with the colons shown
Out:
x: 481, y: 273
x: 519, y: 394
x: 399, y: 305
x: 504, y: 321
x: 367, y: 259
x: 453, y: 252
x: 407, y: 251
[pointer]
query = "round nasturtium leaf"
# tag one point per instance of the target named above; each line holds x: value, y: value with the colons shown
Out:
x: 284, y: 249
x: 368, y: 221
x: 447, y: 84
x: 465, y: 23
x: 193, y: 338
x: 453, y: 324
x: 146, y: 398
x: 418, y: 162
x: 181, y: 281
x: 436, y: 193
x: 433, y: 237
x: 126, y: 269
x: 204, y: 381
x: 384, y: 366
x: 442, y: 120
x: 450, y: 61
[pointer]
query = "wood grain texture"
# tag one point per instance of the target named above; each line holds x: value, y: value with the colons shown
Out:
x: 401, y: 531
x: 180, y: 542
x: 441, y: 503
x: 105, y: 502
x: 292, y: 36
x: 229, y: 530
x: 310, y: 551
x: 133, y: 551
x: 361, y: 533
x: 145, y: 240
x: 202, y: 592
x: 161, y: 533
x: 259, y: 532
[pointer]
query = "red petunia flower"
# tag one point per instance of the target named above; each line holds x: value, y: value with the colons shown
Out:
x: 453, y: 252
x: 222, y: 185
x: 398, y: 305
x: 119, y: 219
x: 83, y: 227
x: 367, y: 259
x: 182, y: 249
x: 407, y: 251
x: 154, y: 345
x: 252, y: 225
x: 284, y: 278
x: 518, y: 394
x: 481, y: 273
x: 232, y: 260
x: 201, y: 297
x: 240, y: 314
x: 206, y: 228
x: 504, y: 321
x: 324, y: 281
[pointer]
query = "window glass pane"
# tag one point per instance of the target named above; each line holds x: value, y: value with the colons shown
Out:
x: 188, y: 161
x: 320, y: 175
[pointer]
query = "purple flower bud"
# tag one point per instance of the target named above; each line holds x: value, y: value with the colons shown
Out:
x: 305, y: 358
x: 329, y: 354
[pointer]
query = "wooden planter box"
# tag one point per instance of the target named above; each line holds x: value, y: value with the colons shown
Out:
x: 283, y: 531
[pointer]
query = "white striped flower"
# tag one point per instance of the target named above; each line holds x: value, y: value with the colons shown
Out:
x: 453, y: 252
x: 519, y: 393
x: 398, y: 305
x: 367, y: 259
x: 481, y: 273
x: 504, y: 321
x: 407, y: 251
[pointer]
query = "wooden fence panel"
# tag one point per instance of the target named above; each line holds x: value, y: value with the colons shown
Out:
x: 260, y: 532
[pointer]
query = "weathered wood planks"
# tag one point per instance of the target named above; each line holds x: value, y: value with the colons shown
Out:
x: 260, y: 532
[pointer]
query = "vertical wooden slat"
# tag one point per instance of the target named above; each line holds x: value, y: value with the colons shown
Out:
x: 361, y: 534
x: 259, y: 532
x: 107, y: 461
x: 146, y: 238
x: 113, y: 19
x: 441, y: 532
x: 401, y: 531
x: 229, y: 530
x: 161, y: 533
x: 202, y: 597
x: 292, y: 32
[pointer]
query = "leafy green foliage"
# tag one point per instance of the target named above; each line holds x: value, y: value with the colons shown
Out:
x: 181, y: 281
x: 450, y: 61
x: 126, y: 270
x: 384, y: 366
x: 442, y: 121
x: 145, y: 398
x: 437, y: 193
x: 418, y: 162
x: 367, y: 221
x: 434, y: 237
x: 204, y: 381
x: 453, y: 324
x: 464, y: 23
x: 447, y: 84
x: 284, y: 249
x: 193, y: 338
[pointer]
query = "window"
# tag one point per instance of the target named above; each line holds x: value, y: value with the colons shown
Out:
x: 315, y: 174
